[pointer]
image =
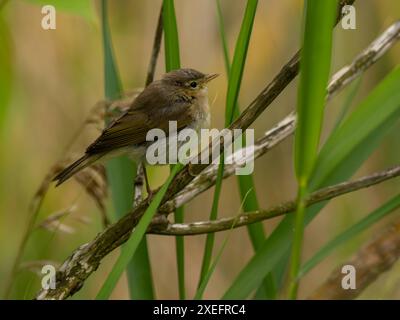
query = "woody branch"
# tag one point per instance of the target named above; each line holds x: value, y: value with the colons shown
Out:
x: 201, y: 227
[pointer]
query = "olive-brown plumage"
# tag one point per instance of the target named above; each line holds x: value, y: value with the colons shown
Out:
x: 181, y: 96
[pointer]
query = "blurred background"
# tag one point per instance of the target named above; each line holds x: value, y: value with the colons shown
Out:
x: 50, y: 79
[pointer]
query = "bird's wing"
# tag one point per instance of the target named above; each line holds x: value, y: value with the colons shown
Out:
x: 147, y: 112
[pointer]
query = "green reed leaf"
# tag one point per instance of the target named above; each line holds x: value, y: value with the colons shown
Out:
x: 129, y: 249
x: 245, y: 182
x: 381, y: 109
x: 172, y: 62
x: 121, y: 173
x: 235, y: 78
x: 314, y: 73
x: 362, y: 225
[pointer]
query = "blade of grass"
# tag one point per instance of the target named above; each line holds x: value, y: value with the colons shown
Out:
x: 384, y: 99
x: 171, y: 38
x: 140, y: 279
x: 361, y: 132
x: 121, y: 173
x: 256, y: 232
x: 274, y: 248
x: 172, y: 62
x: 245, y: 182
x: 235, y: 78
x: 207, y: 276
x: 224, y: 42
x: 239, y: 60
x: 273, y: 245
x: 180, y: 255
x: 375, y: 216
x: 354, y: 87
x: 132, y: 244
x: 208, y: 248
x: 112, y: 83
x: 314, y: 72
x: 139, y: 269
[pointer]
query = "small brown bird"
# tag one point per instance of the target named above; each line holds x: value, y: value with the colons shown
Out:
x: 181, y: 96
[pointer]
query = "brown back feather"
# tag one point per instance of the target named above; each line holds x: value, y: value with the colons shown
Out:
x: 153, y: 108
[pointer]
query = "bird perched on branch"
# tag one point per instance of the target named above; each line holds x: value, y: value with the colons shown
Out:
x: 181, y: 96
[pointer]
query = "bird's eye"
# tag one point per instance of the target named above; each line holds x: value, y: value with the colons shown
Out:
x: 193, y: 84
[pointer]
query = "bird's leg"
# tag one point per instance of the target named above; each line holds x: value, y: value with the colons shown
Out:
x: 146, y: 179
x: 138, y: 185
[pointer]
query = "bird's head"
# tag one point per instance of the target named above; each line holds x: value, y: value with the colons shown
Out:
x: 191, y: 81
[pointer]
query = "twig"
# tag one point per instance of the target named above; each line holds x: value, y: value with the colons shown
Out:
x: 250, y: 114
x: 369, y: 262
x: 53, y: 221
x: 343, y: 77
x: 366, y: 58
x: 138, y: 185
x: 207, y: 178
x: 286, y: 126
x: 201, y: 227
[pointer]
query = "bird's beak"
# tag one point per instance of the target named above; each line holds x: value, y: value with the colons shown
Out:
x: 210, y: 77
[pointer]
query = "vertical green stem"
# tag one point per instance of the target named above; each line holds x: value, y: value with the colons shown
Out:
x: 235, y: 79
x: 121, y: 174
x: 208, y: 248
x: 246, y: 186
x: 297, y: 243
x: 172, y: 62
x: 180, y: 255
x: 130, y: 247
x: 315, y: 63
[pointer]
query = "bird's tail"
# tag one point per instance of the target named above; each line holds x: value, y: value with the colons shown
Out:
x: 78, y: 165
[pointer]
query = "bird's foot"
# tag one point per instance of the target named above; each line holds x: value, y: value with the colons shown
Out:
x: 150, y: 195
